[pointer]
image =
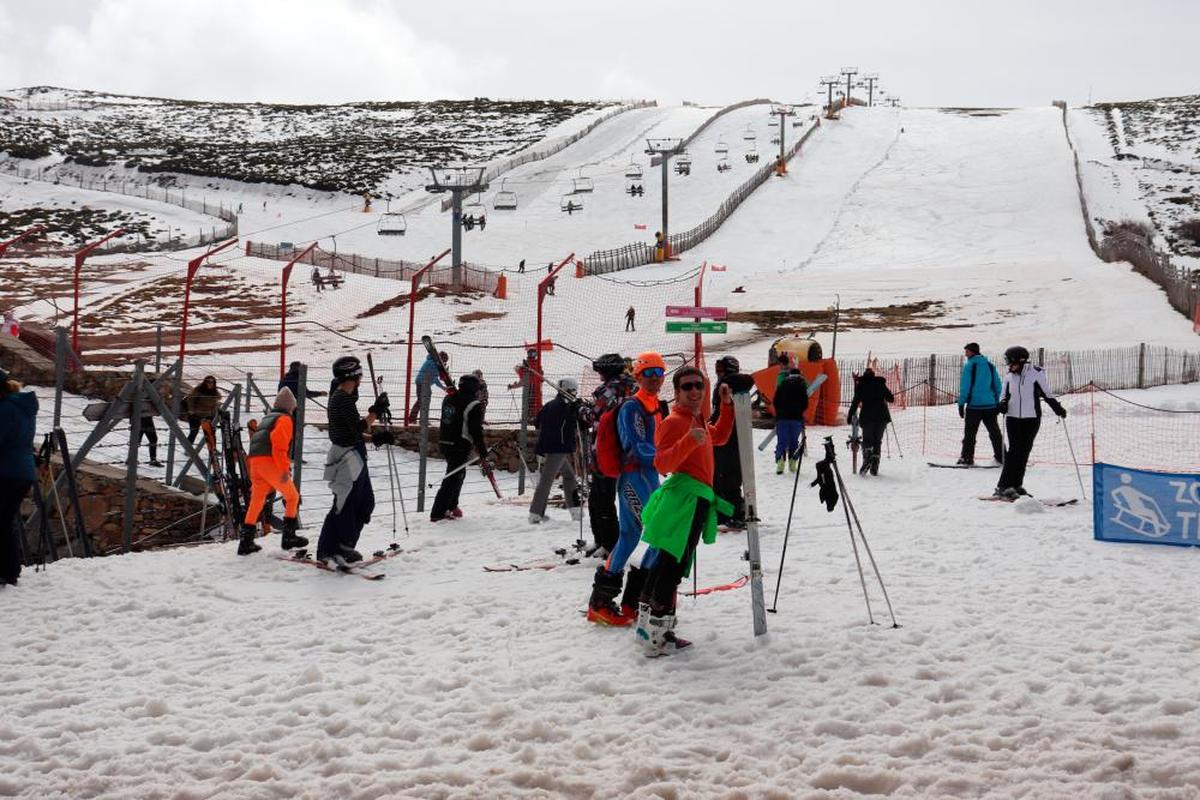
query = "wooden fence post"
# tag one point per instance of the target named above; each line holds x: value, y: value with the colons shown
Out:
x: 1142, y: 365
x: 931, y: 382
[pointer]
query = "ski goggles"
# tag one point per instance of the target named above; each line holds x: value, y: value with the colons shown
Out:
x: 653, y: 372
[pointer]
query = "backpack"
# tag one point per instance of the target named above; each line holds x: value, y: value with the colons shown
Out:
x: 610, y: 456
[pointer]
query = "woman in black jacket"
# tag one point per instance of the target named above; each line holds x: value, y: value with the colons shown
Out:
x: 557, y: 425
x: 873, y: 395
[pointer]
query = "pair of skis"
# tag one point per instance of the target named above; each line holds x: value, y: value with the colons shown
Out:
x: 304, y: 557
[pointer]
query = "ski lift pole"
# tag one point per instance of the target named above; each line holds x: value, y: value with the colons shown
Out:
x: 385, y: 416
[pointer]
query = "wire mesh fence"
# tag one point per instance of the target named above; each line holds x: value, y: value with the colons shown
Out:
x: 474, y: 278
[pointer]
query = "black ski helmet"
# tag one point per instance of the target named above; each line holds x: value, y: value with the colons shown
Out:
x: 1016, y: 355
x: 609, y: 365
x: 347, y: 368
x: 729, y: 364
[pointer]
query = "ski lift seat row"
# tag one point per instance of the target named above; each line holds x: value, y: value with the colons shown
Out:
x: 570, y: 204
x: 582, y: 183
x: 504, y: 199
x: 391, y: 223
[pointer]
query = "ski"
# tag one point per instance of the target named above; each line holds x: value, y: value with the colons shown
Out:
x: 724, y: 587
x: 443, y: 373
x: 217, y: 479
x: 540, y: 564
x: 1049, y: 503
x: 963, y: 466
x: 812, y: 389
x: 312, y: 562
x: 741, y: 408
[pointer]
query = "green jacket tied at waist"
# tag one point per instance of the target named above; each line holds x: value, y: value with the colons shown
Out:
x: 667, y: 517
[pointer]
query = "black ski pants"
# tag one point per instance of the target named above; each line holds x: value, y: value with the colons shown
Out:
x: 602, y: 511
x: 973, y: 416
x: 872, y: 435
x: 1021, y: 433
x: 447, y: 494
x: 12, y: 491
x: 727, y: 481
x: 662, y: 583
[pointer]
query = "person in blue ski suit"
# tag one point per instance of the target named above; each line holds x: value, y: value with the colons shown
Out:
x: 636, y: 423
x: 428, y: 375
x: 979, y: 401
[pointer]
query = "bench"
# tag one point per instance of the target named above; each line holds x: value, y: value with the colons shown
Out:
x: 321, y: 281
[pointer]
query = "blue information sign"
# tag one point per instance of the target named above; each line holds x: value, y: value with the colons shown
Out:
x: 1133, y: 505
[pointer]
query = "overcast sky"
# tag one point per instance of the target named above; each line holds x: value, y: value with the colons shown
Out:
x: 927, y: 52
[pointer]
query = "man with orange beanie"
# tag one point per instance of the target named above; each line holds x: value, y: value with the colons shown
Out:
x: 270, y: 467
x: 637, y: 417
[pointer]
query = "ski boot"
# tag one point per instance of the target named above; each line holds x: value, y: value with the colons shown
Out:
x: 456, y: 512
x: 154, y: 462
x: 657, y: 637
x: 290, y: 538
x: 780, y: 463
x: 965, y: 462
x: 537, y: 519
x: 349, y: 554
x: 794, y: 463
x: 875, y: 465
x: 596, y: 550
x: 601, y: 608
x: 247, y: 545
x: 633, y: 591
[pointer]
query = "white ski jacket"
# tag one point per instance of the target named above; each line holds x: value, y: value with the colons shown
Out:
x: 1024, y: 390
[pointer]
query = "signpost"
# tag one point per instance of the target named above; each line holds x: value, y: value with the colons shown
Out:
x: 698, y: 312
x: 696, y: 327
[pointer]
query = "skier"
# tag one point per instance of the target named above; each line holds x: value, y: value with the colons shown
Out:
x: 18, y: 421
x: 602, y: 496
x: 268, y: 460
x: 1025, y: 386
x: 316, y: 279
x: 461, y: 429
x: 979, y: 401
x: 291, y: 380
x: 727, y: 479
x: 521, y: 267
x: 202, y: 404
x: 636, y: 421
x: 629, y: 315
x: 557, y: 425
x: 428, y: 376
x: 871, y: 392
x: 790, y: 403
x: 684, y: 509
x: 346, y: 465
x: 150, y: 433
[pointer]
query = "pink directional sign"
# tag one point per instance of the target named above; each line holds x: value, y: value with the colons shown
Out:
x: 698, y: 312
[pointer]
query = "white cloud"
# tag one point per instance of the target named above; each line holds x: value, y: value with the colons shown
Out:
x: 245, y: 50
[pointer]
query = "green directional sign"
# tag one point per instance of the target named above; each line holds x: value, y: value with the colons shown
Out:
x: 696, y: 327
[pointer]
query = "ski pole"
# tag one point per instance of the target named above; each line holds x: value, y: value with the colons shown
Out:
x: 386, y: 417
x: 831, y: 457
x: 461, y: 467
x: 774, y: 609
x: 896, y: 437
x: 1071, y: 447
x: 870, y: 556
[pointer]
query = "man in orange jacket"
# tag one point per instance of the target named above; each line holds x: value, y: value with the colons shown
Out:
x: 271, y: 470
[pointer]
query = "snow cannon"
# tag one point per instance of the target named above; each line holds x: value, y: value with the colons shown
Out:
x: 807, y: 356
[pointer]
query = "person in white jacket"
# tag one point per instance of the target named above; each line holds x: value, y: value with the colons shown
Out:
x: 1025, y: 387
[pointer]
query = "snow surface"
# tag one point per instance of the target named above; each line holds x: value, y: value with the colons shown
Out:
x: 1032, y: 661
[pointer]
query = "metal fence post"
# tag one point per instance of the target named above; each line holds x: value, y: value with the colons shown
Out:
x: 131, y: 458
x: 522, y: 435
x: 61, y: 348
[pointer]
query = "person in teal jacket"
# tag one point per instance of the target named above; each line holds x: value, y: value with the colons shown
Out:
x: 18, y: 419
x: 979, y: 401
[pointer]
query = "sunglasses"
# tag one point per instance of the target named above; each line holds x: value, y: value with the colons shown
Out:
x: 654, y: 372
x: 696, y: 386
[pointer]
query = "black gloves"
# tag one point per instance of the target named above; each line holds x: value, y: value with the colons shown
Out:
x: 1056, y: 407
x: 380, y: 438
x: 962, y: 412
x: 828, y: 492
x: 1003, y: 406
x: 382, y: 407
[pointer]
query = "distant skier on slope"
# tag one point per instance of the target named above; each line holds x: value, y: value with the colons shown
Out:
x: 268, y: 460
x: 979, y: 401
x: 557, y: 425
x: 636, y: 421
x: 684, y: 509
x: 346, y: 465
x: 461, y: 429
x: 873, y: 395
x: 1025, y: 386
x: 602, y: 497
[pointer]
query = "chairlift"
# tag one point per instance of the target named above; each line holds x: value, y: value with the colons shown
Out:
x: 721, y: 148
x: 391, y: 223
x: 570, y: 203
x: 723, y: 165
x: 634, y: 188
x: 504, y: 199
x: 582, y: 183
x: 476, y: 206
x: 749, y: 135
x: 774, y: 140
x: 633, y: 171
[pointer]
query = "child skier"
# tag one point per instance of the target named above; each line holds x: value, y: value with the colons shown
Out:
x: 684, y: 509
x: 790, y: 403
